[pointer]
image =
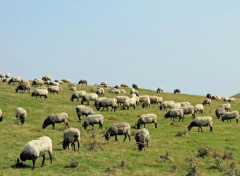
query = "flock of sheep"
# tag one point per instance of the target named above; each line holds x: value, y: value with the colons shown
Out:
x: 38, y: 148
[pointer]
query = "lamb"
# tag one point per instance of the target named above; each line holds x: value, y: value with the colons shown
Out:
x: 116, y: 91
x: 227, y: 107
x: 7, y: 75
x: 21, y: 114
x: 220, y: 111
x: 189, y: 110
x: 104, y: 84
x: 201, y: 121
x: 186, y: 103
x: 142, y: 138
x: 160, y: 89
x: 173, y: 113
x: 112, y: 102
x: 122, y: 128
x: 121, y: 99
x: 89, y: 97
x: 130, y: 102
x: 37, y: 82
x: 135, y: 86
x: 199, y: 108
x: 206, y: 101
x: 66, y: 80
x: 39, y: 92
x: 83, y: 82
x: 100, y: 91
x: 46, y: 78
x: 1, y: 116
x: 56, y: 118
x: 1, y: 75
x: 146, y: 119
x: 53, y: 89
x: 166, y: 104
x: 175, y: 106
x: 177, y: 91
x: 133, y: 91
x: 124, y: 85
x: 71, y: 135
x: 83, y: 110
x: 93, y: 119
x: 230, y: 115
x: 34, y: 149
x: 23, y: 87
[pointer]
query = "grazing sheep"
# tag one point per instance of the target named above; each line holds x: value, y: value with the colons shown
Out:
x: 66, y: 80
x: 175, y: 106
x: 199, y: 108
x: 23, y: 87
x: 21, y: 114
x: 137, y: 98
x: 122, y: 91
x: 58, y: 81
x: 201, y: 121
x: 146, y: 103
x: 124, y: 85
x: 214, y: 97
x: 1, y: 116
x: 35, y: 149
x: 121, y: 100
x: 146, y: 119
x: 116, y: 87
x: 6, y: 80
x: 37, y: 82
x: 89, y: 97
x: 166, y: 104
x: 53, y: 89
x: 218, y: 98
x: 104, y: 84
x: 116, y: 91
x: 220, y: 111
x: 189, y: 110
x: 83, y: 82
x: 40, y: 91
x: 174, y: 113
x: 225, y: 99
x: 54, y: 83
x: 121, y: 128
x: 143, y: 98
x: 186, y: 103
x: 1, y: 75
x: 14, y: 80
x: 231, y: 99
x: 160, y: 89
x: 56, y: 118
x: 135, y: 86
x: 227, y: 107
x: 177, y: 91
x: 142, y: 137
x: 130, y: 102
x: 46, y: 78
x: 153, y: 100
x: 83, y: 110
x: 112, y: 102
x: 26, y: 82
x: 133, y: 91
x: 93, y: 119
x: 7, y: 75
x: 78, y: 94
x: 71, y: 135
x: 209, y: 95
x: 206, y: 101
x: 100, y: 91
x: 73, y: 88
x: 230, y: 115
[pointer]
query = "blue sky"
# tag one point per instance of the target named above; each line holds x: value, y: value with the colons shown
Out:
x: 192, y: 45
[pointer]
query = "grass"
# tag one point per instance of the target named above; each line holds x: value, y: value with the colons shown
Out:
x: 99, y: 157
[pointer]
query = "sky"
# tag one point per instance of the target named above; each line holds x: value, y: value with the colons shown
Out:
x: 191, y: 45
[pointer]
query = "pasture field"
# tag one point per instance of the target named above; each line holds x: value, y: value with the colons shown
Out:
x: 100, y: 157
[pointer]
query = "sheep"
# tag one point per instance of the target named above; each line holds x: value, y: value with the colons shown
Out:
x: 206, y: 101
x: 1, y: 116
x: 6, y: 80
x: 58, y: 81
x: 26, y: 82
x: 146, y: 103
x: 208, y: 95
x: 124, y: 85
x: 14, y: 79
x: 186, y: 103
x: 177, y: 91
x: 133, y: 91
x: 121, y: 99
x: 122, y: 128
x: 137, y: 98
x: 83, y: 82
x: 21, y: 114
x: 130, y: 102
x: 201, y: 121
x: 83, y: 110
x: 159, y: 100
x: 77, y: 95
x: 166, y: 104
x: 189, y: 110
x: 39, y: 92
x: 89, y: 97
x: 34, y: 149
x: 54, y: 83
x: 122, y: 91
x: 1, y: 75
x: 116, y: 87
x: 93, y: 119
x: 7, y: 75
x: 135, y: 86
x: 225, y: 99
x: 37, y: 82
x: 230, y: 115
x: 198, y: 108
x: 46, y: 78
x: 53, y: 89
x: 159, y: 89
x: 73, y: 88
x: 116, y: 91
x: 143, y: 98
x: 220, y: 111
x: 173, y: 113
x: 56, y: 118
x: 146, y: 119
x: 104, y: 84
x: 218, y: 98
x: 23, y: 87
x: 227, y: 107
x: 100, y: 91
x: 71, y: 135
x: 112, y: 102
x: 231, y: 99
x: 154, y: 99
x: 142, y: 137
x: 66, y: 80
x: 175, y: 106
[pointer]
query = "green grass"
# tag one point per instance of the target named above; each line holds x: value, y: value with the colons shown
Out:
x: 148, y: 162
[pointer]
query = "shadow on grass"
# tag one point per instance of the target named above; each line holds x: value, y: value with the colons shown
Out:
x: 23, y: 167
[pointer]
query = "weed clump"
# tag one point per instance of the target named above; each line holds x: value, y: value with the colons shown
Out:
x: 182, y: 133
x: 204, y: 151
x: 193, y: 169
x: 166, y: 157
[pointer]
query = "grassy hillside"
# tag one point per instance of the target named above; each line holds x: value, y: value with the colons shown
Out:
x: 100, y: 157
x: 236, y: 96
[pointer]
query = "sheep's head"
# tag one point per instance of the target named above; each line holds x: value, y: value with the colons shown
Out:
x: 65, y: 144
x: 191, y: 125
x: 46, y: 123
x: 85, y: 125
x: 19, y: 163
x: 107, y: 136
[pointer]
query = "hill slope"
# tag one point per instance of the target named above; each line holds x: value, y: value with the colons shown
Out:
x: 100, y: 157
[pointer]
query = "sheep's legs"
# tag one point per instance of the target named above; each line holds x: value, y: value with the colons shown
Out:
x: 50, y: 155
x: 43, y: 161
x: 116, y: 138
x: 155, y: 125
x: 129, y: 138
x: 33, y: 161
x: 78, y: 145
x: 125, y: 136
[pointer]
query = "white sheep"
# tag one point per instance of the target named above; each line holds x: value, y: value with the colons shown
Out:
x: 124, y: 85
x: 93, y: 119
x: 83, y: 82
x: 146, y: 103
x: 21, y: 114
x: 46, y: 78
x: 122, y: 91
x: 121, y: 99
x: 227, y: 107
x: 71, y: 136
x: 37, y: 82
x: 175, y: 106
x: 206, y: 101
x: 201, y: 121
x: 220, y: 111
x: 160, y: 89
x: 56, y: 118
x: 116, y: 91
x: 1, y: 116
x: 173, y: 113
x: 231, y: 99
x: 166, y: 104
x: 112, y: 102
x: 53, y: 89
x: 1, y: 75
x: 7, y: 75
x: 186, y: 103
x: 89, y: 97
x: 189, y: 110
x: 142, y: 137
x: 35, y: 149
x: 66, y: 80
x: 122, y: 128
x: 146, y: 119
x: 133, y: 91
x: 40, y: 91
x: 199, y: 108
x: 100, y: 91
x: 230, y: 115
x: 131, y: 102
x: 83, y: 110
